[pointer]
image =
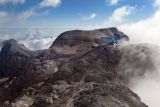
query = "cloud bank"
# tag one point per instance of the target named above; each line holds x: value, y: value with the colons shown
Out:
x: 142, y: 66
x: 36, y: 40
x: 147, y: 31
x: 32, y: 38
x: 144, y: 31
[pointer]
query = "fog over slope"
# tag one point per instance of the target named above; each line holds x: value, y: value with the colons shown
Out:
x: 146, y: 83
x: 146, y: 31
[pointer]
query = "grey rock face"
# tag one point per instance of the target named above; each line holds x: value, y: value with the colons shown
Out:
x: 2, y: 43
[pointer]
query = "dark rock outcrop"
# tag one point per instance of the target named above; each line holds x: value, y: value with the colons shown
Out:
x: 12, y: 57
x: 2, y: 43
x: 75, y: 72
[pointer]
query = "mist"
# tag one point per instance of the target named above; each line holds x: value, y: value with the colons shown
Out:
x: 148, y: 86
x: 148, y: 89
x: 140, y: 71
x: 145, y: 78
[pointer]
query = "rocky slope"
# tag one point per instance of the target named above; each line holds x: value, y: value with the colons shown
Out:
x: 76, y: 71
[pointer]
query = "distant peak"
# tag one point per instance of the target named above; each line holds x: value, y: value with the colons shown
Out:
x: 12, y: 47
x: 12, y: 41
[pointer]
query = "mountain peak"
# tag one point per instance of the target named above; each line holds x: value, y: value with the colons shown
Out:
x: 11, y: 46
x: 81, y: 40
x: 11, y: 41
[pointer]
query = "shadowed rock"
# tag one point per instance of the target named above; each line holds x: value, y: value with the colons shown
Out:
x: 12, y: 57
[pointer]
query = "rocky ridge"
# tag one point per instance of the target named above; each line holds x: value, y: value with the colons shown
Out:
x: 75, y: 71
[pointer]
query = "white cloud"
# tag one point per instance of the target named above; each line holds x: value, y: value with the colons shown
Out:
x: 50, y: 3
x: 157, y: 2
x: 12, y: 1
x: 120, y: 13
x: 113, y: 2
x: 37, y: 39
x: 30, y: 13
x: 3, y: 14
x: 91, y: 16
x: 32, y: 38
x: 146, y: 31
x: 27, y: 14
x: 35, y: 44
x: 148, y: 89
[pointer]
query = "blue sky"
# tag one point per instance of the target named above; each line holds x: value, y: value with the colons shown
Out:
x: 69, y: 13
x: 36, y: 23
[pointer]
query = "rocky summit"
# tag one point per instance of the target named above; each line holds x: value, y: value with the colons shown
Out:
x: 80, y: 69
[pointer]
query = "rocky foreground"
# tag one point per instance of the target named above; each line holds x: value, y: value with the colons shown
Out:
x: 77, y: 70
